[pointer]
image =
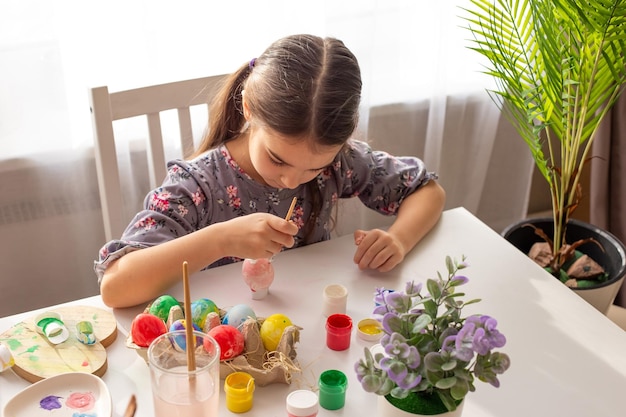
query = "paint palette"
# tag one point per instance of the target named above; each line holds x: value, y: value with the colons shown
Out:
x: 65, y: 395
x: 36, y: 358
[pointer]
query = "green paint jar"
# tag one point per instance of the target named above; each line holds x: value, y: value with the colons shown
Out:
x: 332, y: 385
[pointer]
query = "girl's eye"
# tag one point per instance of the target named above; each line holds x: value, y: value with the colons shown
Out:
x: 277, y: 163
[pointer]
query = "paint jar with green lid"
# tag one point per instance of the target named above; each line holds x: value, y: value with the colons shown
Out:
x: 332, y: 385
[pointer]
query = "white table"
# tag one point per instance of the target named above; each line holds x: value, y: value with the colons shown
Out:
x: 567, y: 358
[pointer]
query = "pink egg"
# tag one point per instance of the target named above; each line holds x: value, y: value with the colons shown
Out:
x: 229, y: 339
x: 257, y: 273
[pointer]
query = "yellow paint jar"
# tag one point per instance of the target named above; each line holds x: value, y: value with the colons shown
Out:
x: 369, y: 330
x: 239, y: 389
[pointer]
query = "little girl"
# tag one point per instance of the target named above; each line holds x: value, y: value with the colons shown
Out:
x: 280, y: 128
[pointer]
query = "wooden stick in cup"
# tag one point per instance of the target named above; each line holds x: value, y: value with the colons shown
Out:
x: 191, y: 358
x: 290, y: 212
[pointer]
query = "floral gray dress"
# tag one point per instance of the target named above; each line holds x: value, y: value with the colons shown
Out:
x: 212, y: 188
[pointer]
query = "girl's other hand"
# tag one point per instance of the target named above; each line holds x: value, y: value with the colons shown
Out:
x: 377, y: 249
x: 258, y: 235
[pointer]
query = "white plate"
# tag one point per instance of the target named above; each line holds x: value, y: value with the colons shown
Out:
x: 64, y: 395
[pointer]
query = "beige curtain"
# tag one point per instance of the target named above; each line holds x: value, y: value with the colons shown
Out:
x: 608, y: 178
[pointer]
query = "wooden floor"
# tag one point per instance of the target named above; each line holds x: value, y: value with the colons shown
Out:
x: 618, y: 315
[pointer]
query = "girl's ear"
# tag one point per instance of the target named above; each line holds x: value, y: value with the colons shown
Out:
x: 246, y: 108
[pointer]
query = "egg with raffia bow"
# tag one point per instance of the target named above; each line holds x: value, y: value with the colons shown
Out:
x: 229, y: 339
x: 238, y: 314
x: 272, y: 330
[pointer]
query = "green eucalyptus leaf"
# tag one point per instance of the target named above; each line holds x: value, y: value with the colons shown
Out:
x: 446, y: 383
x: 386, y: 387
x: 433, y: 361
x: 448, y: 366
x: 474, y: 301
x: 460, y: 389
x: 399, y: 392
x: 371, y: 383
x: 447, y: 400
x: 433, y: 288
x: 395, y: 324
x: 421, y: 323
x: 431, y: 308
x: 450, y: 265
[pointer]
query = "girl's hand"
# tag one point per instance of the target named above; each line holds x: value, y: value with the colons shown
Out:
x: 258, y: 235
x: 377, y: 249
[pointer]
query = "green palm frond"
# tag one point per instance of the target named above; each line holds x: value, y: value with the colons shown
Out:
x: 559, y: 66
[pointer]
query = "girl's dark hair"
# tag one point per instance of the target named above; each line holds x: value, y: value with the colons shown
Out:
x: 301, y: 86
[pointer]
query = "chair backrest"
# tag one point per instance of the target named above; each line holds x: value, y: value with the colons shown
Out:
x: 107, y: 107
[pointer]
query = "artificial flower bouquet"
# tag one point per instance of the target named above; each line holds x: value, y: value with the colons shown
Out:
x: 429, y: 351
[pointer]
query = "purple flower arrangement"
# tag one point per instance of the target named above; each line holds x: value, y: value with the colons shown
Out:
x: 429, y: 348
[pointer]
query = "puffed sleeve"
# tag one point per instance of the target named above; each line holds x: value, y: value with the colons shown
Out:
x: 177, y: 208
x: 381, y: 181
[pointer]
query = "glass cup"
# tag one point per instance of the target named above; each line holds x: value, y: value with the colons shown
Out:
x: 176, y: 390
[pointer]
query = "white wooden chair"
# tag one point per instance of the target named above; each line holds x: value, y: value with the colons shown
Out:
x: 149, y: 101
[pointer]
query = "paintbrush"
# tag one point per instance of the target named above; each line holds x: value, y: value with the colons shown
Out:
x: 131, y: 407
x: 191, y: 357
x: 290, y: 212
x: 288, y: 216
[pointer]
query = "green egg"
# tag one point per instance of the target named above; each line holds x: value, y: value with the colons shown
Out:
x: 161, y: 306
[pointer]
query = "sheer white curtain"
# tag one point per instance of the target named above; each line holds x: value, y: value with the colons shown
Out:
x: 424, y: 95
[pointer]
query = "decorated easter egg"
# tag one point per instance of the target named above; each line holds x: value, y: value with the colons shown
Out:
x: 182, y: 325
x: 272, y: 329
x: 236, y: 315
x: 229, y: 339
x: 161, y: 306
x: 181, y: 340
x: 200, y: 309
x: 145, y: 328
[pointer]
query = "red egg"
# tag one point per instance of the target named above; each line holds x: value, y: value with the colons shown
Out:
x: 145, y: 328
x: 229, y: 339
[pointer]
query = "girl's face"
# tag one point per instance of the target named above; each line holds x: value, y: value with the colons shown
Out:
x: 286, y: 162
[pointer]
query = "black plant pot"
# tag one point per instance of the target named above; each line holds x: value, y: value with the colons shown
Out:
x: 612, y: 259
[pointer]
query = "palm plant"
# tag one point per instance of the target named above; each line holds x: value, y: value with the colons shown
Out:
x: 559, y: 66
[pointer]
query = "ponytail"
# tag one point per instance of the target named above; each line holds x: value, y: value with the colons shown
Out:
x: 226, y: 118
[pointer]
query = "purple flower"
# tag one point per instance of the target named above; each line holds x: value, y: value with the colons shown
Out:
x: 463, y: 342
x: 399, y: 373
x: 412, y: 289
x: 487, y: 337
x: 398, y: 301
x: 478, y: 334
x: 462, y: 279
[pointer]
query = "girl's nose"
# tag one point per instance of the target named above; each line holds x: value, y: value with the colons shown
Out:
x: 290, y: 180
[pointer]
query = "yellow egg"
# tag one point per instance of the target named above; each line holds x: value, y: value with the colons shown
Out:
x: 272, y: 329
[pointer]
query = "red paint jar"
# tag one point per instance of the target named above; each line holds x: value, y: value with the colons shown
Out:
x: 338, y: 331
